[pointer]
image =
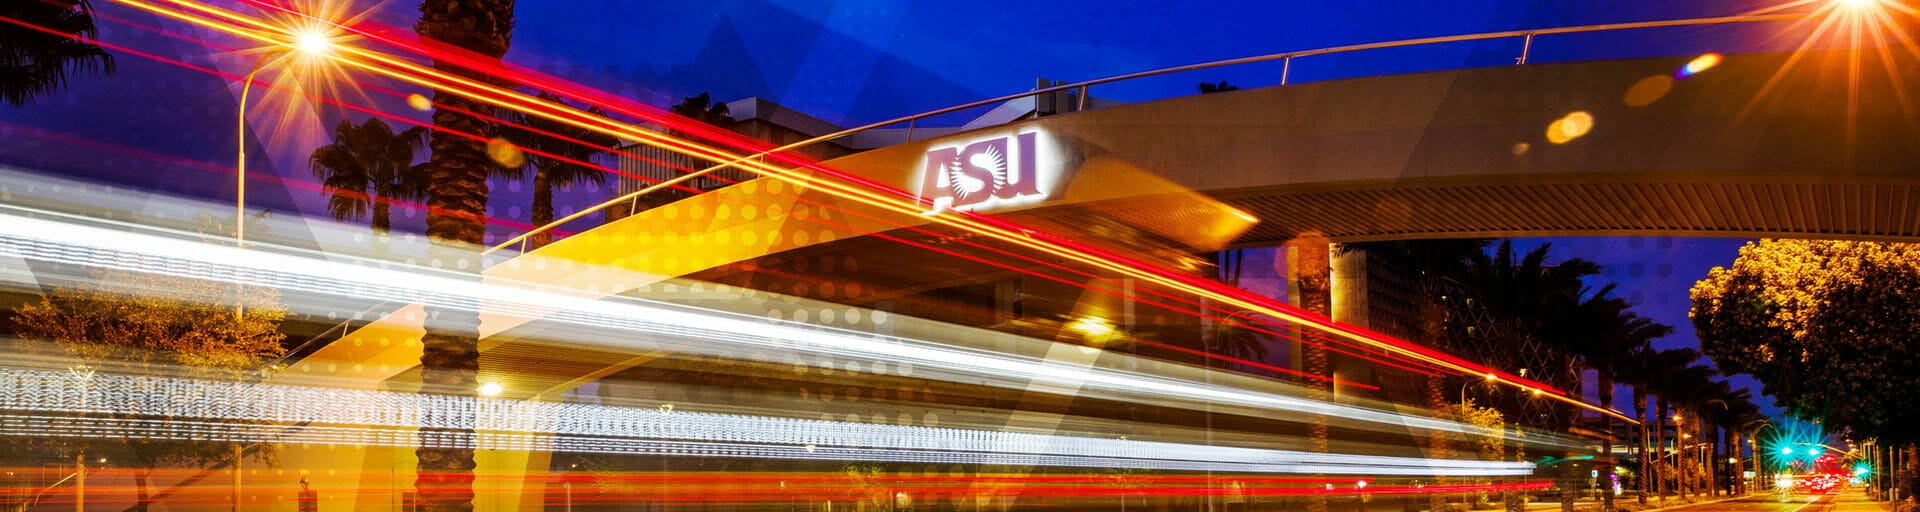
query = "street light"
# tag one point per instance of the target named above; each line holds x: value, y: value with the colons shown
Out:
x: 306, y: 42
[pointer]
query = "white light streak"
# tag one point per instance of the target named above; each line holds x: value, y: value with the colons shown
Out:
x: 89, y: 245
x: 53, y: 404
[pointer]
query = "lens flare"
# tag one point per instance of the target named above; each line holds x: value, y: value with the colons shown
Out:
x: 313, y: 43
x: 505, y: 153
x: 1649, y: 90
x: 1698, y: 65
x: 1572, y: 126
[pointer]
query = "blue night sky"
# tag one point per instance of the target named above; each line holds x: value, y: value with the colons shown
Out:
x: 853, y: 61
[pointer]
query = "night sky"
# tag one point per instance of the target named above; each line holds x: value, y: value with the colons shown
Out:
x: 162, y: 127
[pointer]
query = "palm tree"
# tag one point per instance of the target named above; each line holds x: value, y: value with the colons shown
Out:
x: 558, y: 157
x: 1436, y: 267
x: 367, y: 167
x: 1680, y: 391
x: 1529, y: 303
x: 1646, y: 370
x: 1232, y: 338
x: 43, y: 45
x: 1727, y: 411
x: 702, y: 108
x: 456, y: 207
x: 1606, y: 336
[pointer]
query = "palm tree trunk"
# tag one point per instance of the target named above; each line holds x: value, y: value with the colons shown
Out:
x: 1646, y: 466
x: 450, y: 353
x: 457, y: 205
x: 382, y: 224
x: 1436, y: 438
x: 1316, y: 295
x: 1605, y: 389
x: 1739, y: 462
x: 1908, y: 476
x: 1660, y: 446
x: 140, y: 481
x: 542, y: 207
x: 1683, y: 470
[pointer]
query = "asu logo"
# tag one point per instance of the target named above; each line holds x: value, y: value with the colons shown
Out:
x: 983, y: 174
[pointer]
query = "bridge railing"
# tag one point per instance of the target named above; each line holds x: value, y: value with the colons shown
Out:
x: 1078, y: 93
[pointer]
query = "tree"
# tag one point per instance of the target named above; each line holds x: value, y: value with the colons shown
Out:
x: 1605, y: 336
x: 1825, y: 326
x: 1437, y: 267
x: 456, y: 207
x: 1210, y: 88
x: 43, y: 45
x: 1232, y: 338
x: 1679, y: 390
x: 558, y: 156
x: 702, y: 108
x: 368, y: 167
x: 1646, y: 370
x: 121, y: 321
x: 1528, y: 303
x: 1487, y: 447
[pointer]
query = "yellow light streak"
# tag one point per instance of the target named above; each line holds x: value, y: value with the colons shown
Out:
x: 412, y: 73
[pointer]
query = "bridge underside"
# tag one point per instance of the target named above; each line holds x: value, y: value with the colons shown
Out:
x: 1879, y: 210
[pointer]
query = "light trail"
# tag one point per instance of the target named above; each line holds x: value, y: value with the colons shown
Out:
x: 667, y: 326
x: 842, y: 185
x: 1200, y: 307
x: 692, y: 487
x: 55, y: 404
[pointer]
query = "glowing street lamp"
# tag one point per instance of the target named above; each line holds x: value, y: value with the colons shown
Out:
x: 310, y: 43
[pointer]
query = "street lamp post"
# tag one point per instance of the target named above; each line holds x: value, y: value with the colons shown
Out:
x: 307, y: 43
x: 240, y: 181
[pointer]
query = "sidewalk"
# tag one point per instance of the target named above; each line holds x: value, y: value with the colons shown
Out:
x: 1629, y: 501
x: 1857, y: 501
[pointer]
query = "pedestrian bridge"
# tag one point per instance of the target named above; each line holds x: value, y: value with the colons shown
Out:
x: 1764, y: 145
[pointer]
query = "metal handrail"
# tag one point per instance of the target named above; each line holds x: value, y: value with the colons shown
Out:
x: 1287, y: 57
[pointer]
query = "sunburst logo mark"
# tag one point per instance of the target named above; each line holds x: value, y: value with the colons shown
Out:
x: 982, y: 173
x: 972, y: 188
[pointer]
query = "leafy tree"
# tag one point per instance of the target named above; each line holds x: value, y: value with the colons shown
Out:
x: 457, y: 205
x: 557, y: 156
x: 43, y: 45
x: 121, y: 321
x: 367, y: 167
x: 1825, y: 326
x: 1487, y: 447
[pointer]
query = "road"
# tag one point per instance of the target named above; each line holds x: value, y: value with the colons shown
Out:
x: 1848, y: 501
